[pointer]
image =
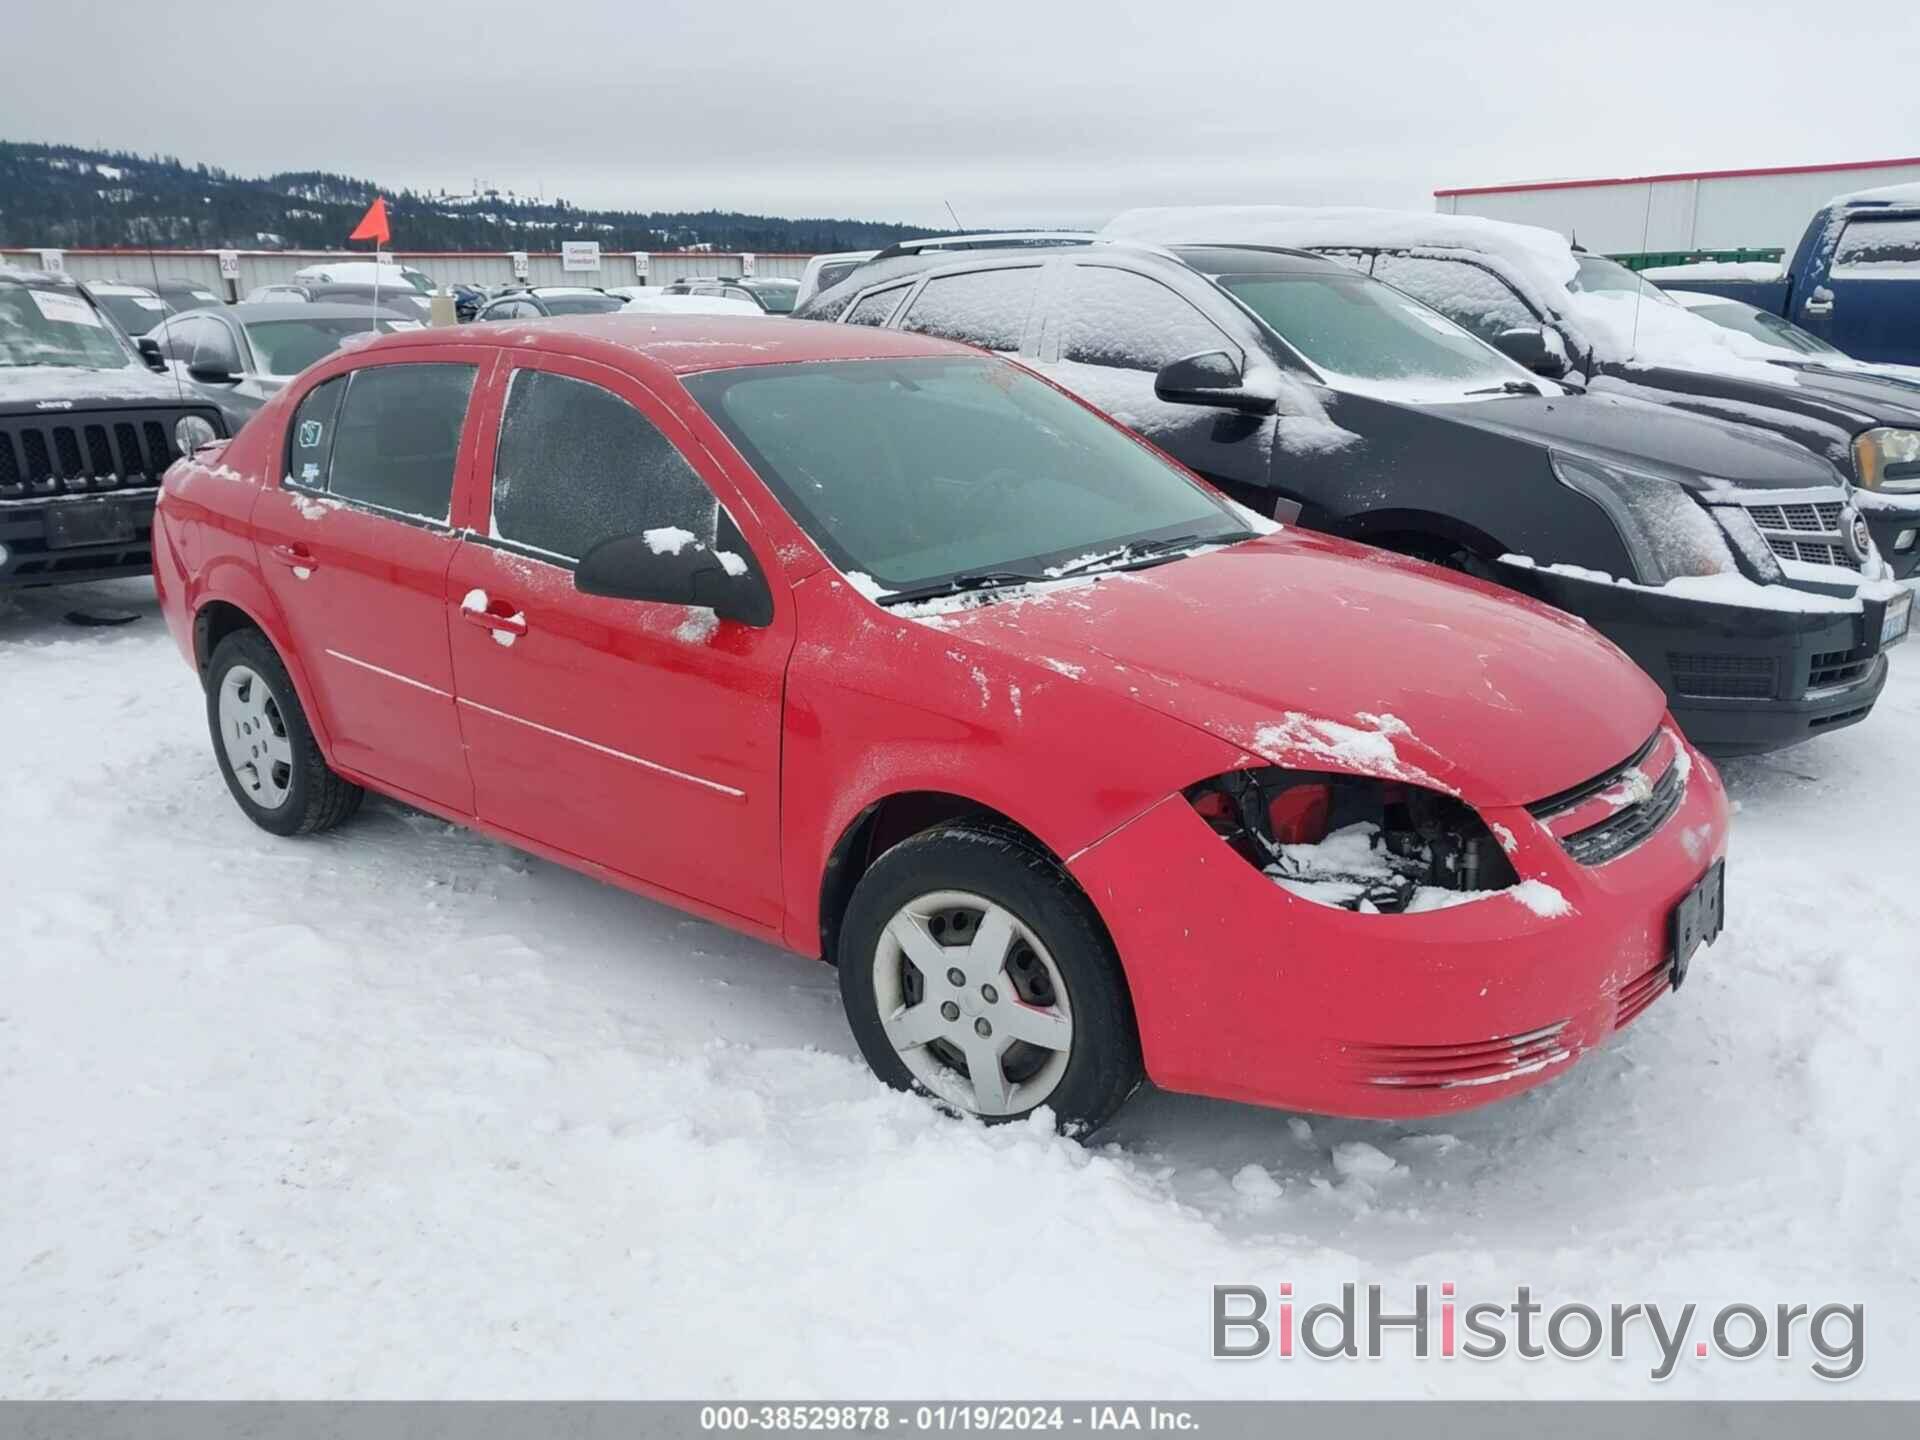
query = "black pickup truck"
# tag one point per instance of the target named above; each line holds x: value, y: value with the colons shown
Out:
x: 86, y: 431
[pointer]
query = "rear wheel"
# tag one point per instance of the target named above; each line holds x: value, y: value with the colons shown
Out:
x: 263, y: 745
x: 975, y: 971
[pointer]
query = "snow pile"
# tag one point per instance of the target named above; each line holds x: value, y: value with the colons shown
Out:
x: 1310, y: 741
x: 669, y: 539
x: 1732, y: 589
x: 1768, y: 270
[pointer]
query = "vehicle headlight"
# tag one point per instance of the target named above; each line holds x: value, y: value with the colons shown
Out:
x: 1888, y: 460
x: 1667, y: 533
x: 192, y: 432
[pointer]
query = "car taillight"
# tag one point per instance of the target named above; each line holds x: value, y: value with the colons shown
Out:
x: 1298, y: 814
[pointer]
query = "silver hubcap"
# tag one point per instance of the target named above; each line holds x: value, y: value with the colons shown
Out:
x: 972, y: 1003
x: 255, y: 734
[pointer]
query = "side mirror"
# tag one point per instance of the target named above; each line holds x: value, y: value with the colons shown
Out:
x: 150, y: 352
x: 672, y: 568
x: 213, y: 372
x: 1213, y: 377
x: 1534, y: 349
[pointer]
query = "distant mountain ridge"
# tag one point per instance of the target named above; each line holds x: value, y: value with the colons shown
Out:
x: 68, y: 197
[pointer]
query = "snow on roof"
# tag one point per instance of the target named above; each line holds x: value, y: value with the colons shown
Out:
x: 1540, y: 252
x: 1716, y: 270
x: 692, y: 305
x: 1908, y: 194
x: 1539, y: 263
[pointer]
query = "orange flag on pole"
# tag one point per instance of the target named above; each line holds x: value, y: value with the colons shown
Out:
x: 373, y: 224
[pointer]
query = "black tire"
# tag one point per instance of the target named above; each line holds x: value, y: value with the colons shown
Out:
x: 1103, y: 1066
x: 316, y: 798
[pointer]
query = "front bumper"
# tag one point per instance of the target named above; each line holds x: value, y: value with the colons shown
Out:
x: 1244, y: 991
x: 1740, y: 680
x: 1893, y: 519
x: 32, y: 557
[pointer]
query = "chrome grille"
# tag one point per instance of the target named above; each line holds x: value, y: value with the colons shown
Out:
x: 1627, y: 827
x: 1803, y: 530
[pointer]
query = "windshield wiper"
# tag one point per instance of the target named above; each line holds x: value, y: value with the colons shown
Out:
x: 961, y: 584
x: 1129, y: 555
x: 1509, y: 387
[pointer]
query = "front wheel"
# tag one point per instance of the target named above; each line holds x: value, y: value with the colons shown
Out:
x: 974, y: 970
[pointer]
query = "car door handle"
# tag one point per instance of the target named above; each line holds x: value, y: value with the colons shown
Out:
x: 297, y: 556
x: 480, y: 608
x: 1819, y: 307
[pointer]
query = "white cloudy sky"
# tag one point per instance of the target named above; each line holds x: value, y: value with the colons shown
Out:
x: 1043, y: 111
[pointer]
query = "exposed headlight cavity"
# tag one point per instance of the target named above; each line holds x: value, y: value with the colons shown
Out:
x: 1668, y: 534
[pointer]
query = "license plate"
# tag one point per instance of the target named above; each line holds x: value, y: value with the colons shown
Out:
x: 1893, y: 625
x: 88, y: 523
x: 1696, y: 919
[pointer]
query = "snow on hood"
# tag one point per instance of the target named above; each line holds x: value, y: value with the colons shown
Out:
x: 1541, y: 263
x: 23, y: 386
x: 1304, y: 650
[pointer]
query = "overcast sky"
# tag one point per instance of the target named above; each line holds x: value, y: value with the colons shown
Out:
x: 1040, y: 112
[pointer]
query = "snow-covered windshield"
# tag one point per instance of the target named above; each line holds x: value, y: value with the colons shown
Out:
x: 286, y: 347
x: 916, y: 472
x: 56, y: 327
x: 1597, y: 275
x: 1773, y: 329
x: 1358, y: 330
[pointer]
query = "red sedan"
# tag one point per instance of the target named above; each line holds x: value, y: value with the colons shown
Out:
x: 887, y: 651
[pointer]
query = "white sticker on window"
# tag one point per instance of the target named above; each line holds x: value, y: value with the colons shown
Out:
x: 404, y: 325
x: 147, y: 302
x: 67, y: 309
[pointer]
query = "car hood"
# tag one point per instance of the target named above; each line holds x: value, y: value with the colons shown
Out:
x: 1313, y: 652
x: 54, y: 389
x: 1695, y: 450
x: 1893, y: 399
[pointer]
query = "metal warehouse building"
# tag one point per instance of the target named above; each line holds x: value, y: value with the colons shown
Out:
x: 1730, y: 214
x: 235, y: 272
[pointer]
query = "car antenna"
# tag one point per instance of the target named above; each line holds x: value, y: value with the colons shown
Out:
x: 1639, y: 297
x: 153, y: 264
x: 953, y: 217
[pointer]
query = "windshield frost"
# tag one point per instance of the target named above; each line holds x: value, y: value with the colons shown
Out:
x: 1356, y: 329
x: 56, y: 327
x: 916, y: 471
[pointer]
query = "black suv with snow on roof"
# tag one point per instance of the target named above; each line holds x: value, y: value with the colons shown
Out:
x: 1308, y: 391
x: 86, y: 431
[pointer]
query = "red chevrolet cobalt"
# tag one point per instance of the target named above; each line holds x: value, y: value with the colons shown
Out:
x: 886, y: 651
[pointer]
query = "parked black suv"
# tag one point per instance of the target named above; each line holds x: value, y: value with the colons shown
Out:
x: 1566, y: 313
x: 86, y: 430
x: 1306, y: 390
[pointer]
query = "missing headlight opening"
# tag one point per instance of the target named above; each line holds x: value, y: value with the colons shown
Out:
x: 1370, y: 846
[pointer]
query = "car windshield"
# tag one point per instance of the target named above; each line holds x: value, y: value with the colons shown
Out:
x: 56, y: 327
x: 286, y: 347
x: 582, y: 304
x: 1597, y: 275
x: 919, y: 472
x: 418, y: 281
x: 1359, y: 330
x: 1773, y: 329
x: 136, y: 313
x: 776, y: 295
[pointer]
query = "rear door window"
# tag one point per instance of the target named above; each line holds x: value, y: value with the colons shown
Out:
x: 1126, y: 321
x: 988, y: 308
x: 1878, y: 249
x: 310, y: 437
x: 397, y: 435
x: 577, y: 465
x: 1470, y: 295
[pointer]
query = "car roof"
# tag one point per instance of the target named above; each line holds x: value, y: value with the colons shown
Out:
x: 250, y: 312
x: 680, y: 344
x: 1257, y: 260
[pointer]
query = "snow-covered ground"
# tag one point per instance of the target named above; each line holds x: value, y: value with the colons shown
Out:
x: 400, y: 1112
